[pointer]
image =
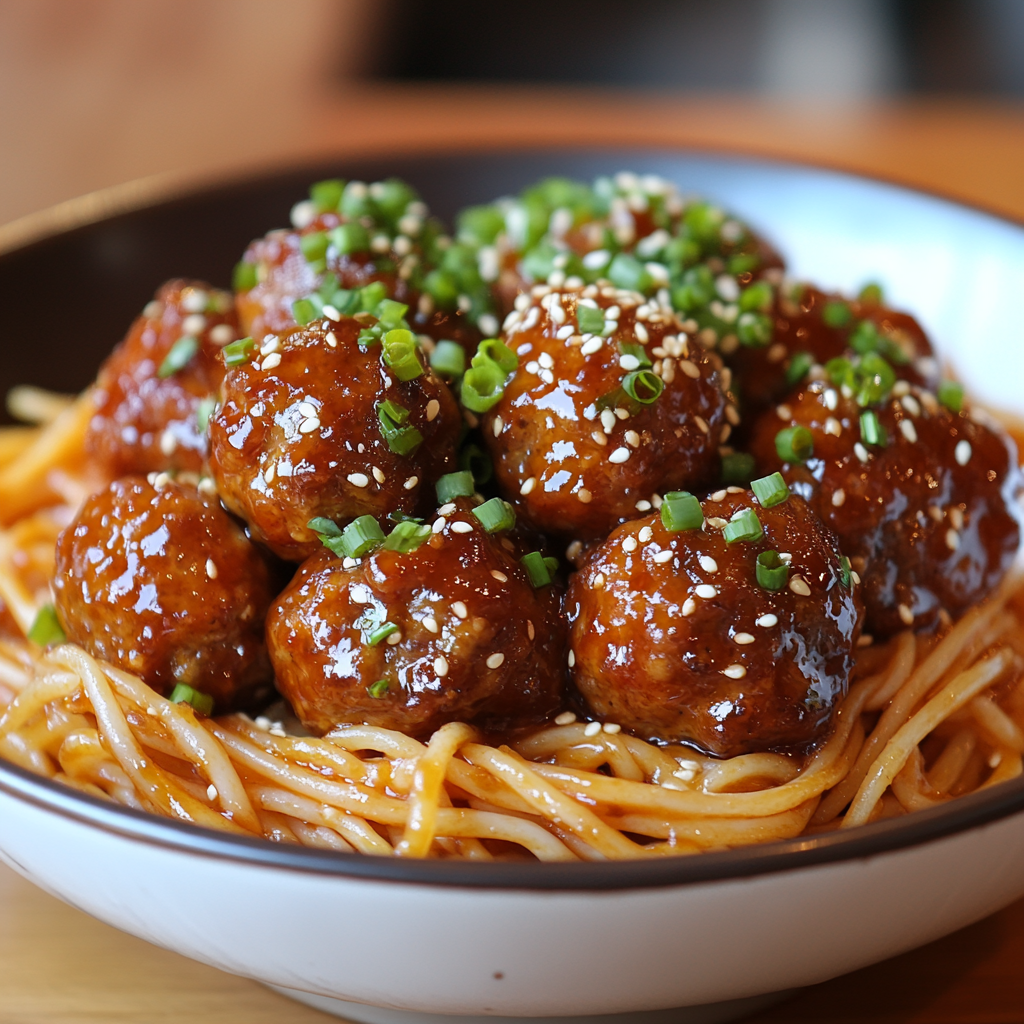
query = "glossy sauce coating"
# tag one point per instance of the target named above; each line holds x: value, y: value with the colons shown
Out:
x: 925, y: 519
x: 161, y: 582
x: 298, y: 435
x: 475, y: 641
x: 148, y: 423
x: 674, y: 639
x: 573, y: 451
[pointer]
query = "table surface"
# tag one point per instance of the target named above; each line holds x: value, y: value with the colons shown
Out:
x: 58, y: 966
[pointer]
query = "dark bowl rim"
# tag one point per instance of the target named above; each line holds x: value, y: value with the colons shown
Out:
x: 888, y: 836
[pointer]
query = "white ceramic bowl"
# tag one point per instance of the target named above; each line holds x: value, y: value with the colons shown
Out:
x: 537, y: 940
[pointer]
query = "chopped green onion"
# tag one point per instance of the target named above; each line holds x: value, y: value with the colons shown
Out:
x: 482, y: 386
x: 770, y: 490
x: 454, y: 485
x: 871, y: 293
x: 313, y: 246
x: 369, y: 336
x: 406, y: 536
x: 349, y: 238
x: 359, y: 537
x: 737, y: 467
x: 391, y: 314
x: 552, y: 564
x: 591, y: 320
x: 480, y: 225
x: 393, y: 411
x: 626, y: 271
x: 402, y: 440
x: 400, y: 354
x: 326, y: 194
x: 324, y: 526
x: 680, y: 510
x: 865, y: 338
x: 877, y: 378
x: 536, y: 569
x: 305, y: 311
x: 185, y: 694
x: 179, y: 356
x: 756, y: 298
x: 772, y: 572
x: 476, y: 461
x: 794, y: 444
x: 951, y: 395
x: 871, y: 430
x: 371, y: 296
x: 238, y: 351
x: 836, y: 314
x: 46, y: 628
x: 638, y: 352
x: 204, y: 410
x: 840, y: 371
x: 378, y: 689
x: 643, y: 385
x: 442, y: 288
x: 245, y: 276
x: 799, y: 366
x: 754, y: 329
x: 497, y: 352
x: 495, y: 514
x: 744, y: 526
x: 448, y: 359
x: 845, y: 572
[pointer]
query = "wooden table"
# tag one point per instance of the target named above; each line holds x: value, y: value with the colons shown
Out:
x: 58, y: 966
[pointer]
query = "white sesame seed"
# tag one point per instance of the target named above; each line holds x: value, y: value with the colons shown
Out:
x: 646, y: 533
x: 211, y: 569
x: 168, y: 442
x: 833, y: 426
x: 952, y: 540
x: 546, y: 361
x: 495, y: 660
x: 632, y: 438
x: 268, y: 473
x: 911, y: 404
x: 838, y: 497
x: 565, y: 718
x: 358, y: 479
x: 799, y: 586
x: 194, y: 300
x: 411, y: 482
x: 956, y: 517
x: 430, y: 624
x: 906, y: 615
x: 908, y: 430
x: 446, y: 509
x: 767, y: 621
x: 619, y: 456
x: 962, y: 452
x: 783, y: 412
x: 690, y: 368
x: 743, y: 638
x: 901, y: 388
x: 395, y: 638
x: 702, y: 424
x: 308, y: 426
x: 599, y: 437
x: 629, y: 544
x: 629, y: 362
x: 572, y: 658
x: 831, y: 399
x: 441, y: 665
x: 591, y: 346
x: 528, y: 485
x: 332, y: 341
x: 497, y: 425
x: 663, y: 556
x: 620, y: 413
x: 592, y: 729
x: 608, y: 420
x: 439, y: 524
x: 707, y: 563
x: 433, y: 408
x: 499, y: 576
x: 611, y: 728
x: 461, y: 526
x: 861, y: 452
x: 641, y: 333
x: 689, y: 606
x: 271, y: 362
x: 706, y: 591
x: 378, y: 474
x: 717, y: 522
x: 786, y: 557
x: 643, y: 505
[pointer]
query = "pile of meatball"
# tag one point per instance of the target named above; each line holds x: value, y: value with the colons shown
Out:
x: 594, y: 455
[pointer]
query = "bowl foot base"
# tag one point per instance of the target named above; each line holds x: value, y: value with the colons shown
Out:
x: 709, y: 1013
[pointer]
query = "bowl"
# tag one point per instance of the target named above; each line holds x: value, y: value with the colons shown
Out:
x: 384, y: 941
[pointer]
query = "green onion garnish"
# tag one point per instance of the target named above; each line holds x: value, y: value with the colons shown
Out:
x: 401, y: 438
x: 680, y: 510
x: 349, y: 238
x: 877, y: 378
x: 644, y: 386
x: 626, y: 271
x: 591, y: 320
x: 772, y: 572
x: 326, y: 194
x: 770, y: 490
x: 244, y: 276
x: 638, y: 352
x: 794, y: 444
x: 371, y: 296
x: 754, y: 330
x: 951, y: 395
x: 495, y: 514
x: 798, y: 368
x: 845, y: 572
x: 442, y: 288
x: 378, y: 689
x: 382, y: 632
x: 185, y: 694
x: 204, y: 410
x: 536, y: 569
x: 454, y: 485
x: 836, y: 314
x: 313, y: 246
x: 305, y: 311
x: 871, y: 293
x: 744, y: 526
x: 737, y: 467
x: 46, y: 628
x: 406, y: 536
x: 400, y: 354
x: 448, y: 359
x: 238, y: 351
x: 391, y: 314
x: 474, y: 459
x: 756, y: 298
x: 871, y: 430
x: 482, y: 386
x: 179, y: 356
x: 865, y: 338
x: 369, y: 336
x: 359, y: 537
x: 497, y: 352
x: 840, y: 371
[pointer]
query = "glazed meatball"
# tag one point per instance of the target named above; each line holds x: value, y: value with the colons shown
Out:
x: 918, y: 494
x: 314, y: 424
x: 151, y: 391
x: 450, y: 631
x: 675, y: 639
x: 348, y: 236
x: 610, y: 405
x: 157, y: 579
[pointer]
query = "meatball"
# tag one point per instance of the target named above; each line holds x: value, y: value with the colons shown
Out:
x: 610, y: 405
x: 675, y: 638
x: 314, y: 424
x: 157, y: 579
x: 409, y: 640
x: 348, y: 236
x: 918, y: 494
x: 152, y: 392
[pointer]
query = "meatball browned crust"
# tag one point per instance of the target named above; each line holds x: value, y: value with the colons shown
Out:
x: 451, y: 631
x: 150, y: 391
x: 674, y: 638
x: 307, y: 428
x: 161, y: 582
x: 574, y: 449
x: 919, y: 496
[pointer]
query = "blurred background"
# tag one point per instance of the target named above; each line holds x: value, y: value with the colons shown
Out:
x: 95, y: 92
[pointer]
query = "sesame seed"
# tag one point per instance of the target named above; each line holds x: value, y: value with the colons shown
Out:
x: 908, y: 430
x: 629, y: 362
x: 584, y: 496
x: 641, y: 333
x: 599, y: 437
x: 717, y: 522
x: 689, y: 368
x: 441, y: 665
x: 734, y: 671
x: 611, y: 728
x: 308, y: 426
x: 620, y: 413
x: 433, y: 408
x: 833, y: 426
x: 608, y: 420
x: 499, y: 576
x: 911, y: 404
x: 592, y: 729
x: 906, y: 615
x: 783, y: 412
x: 446, y: 510
x: 358, y: 479
x: 629, y: 544
x: 646, y: 533
x: 643, y: 505
x: 591, y: 346
x: 619, y: 456
x: 395, y: 638
x: 901, y: 388
x: 211, y: 569
x: 799, y: 586
x: 767, y: 621
x: 430, y: 623
x: 565, y: 718
x: 743, y: 638
x: 271, y: 362
x: 546, y: 361
x: 962, y: 452
x: 168, y: 442
x: 952, y: 540
x: 706, y: 591
x: 439, y: 524
x: 831, y: 399
x: 572, y: 658
x: 689, y: 606
x: 332, y: 341
x: 707, y: 563
x: 461, y: 526
x: 786, y: 557
x: 632, y: 438
x: 528, y: 485
x: 861, y: 452
x: 495, y: 660
x: 497, y: 425
x: 838, y: 497
x: 268, y: 473
x: 663, y: 556
x: 956, y: 517
x: 411, y: 483
x: 459, y: 607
